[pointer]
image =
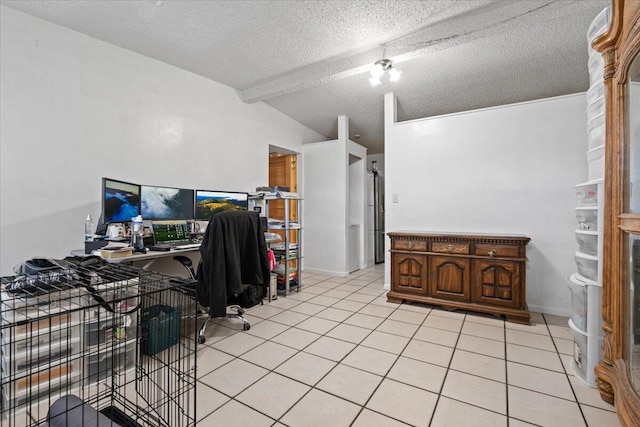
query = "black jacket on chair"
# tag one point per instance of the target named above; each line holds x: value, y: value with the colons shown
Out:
x: 233, y: 253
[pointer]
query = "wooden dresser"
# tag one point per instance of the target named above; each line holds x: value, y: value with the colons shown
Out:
x: 484, y: 273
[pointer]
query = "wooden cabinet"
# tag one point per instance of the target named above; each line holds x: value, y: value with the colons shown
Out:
x: 461, y: 271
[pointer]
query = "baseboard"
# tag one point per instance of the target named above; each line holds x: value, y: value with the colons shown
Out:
x: 556, y: 311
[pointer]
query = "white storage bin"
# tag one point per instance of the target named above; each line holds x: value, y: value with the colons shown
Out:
x: 596, y: 131
x: 587, y: 219
x: 587, y: 194
x: 117, y: 359
x: 596, y: 68
x: 579, y: 351
x: 599, y: 25
x: 579, y: 302
x: 595, y: 93
x: 595, y: 163
x: 587, y: 242
x: 596, y: 108
x: 587, y: 266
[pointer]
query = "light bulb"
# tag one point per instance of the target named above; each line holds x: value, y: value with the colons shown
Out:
x: 375, y: 81
x: 394, y: 75
x: 377, y: 71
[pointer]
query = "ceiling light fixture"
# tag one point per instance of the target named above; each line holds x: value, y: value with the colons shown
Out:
x: 378, y: 69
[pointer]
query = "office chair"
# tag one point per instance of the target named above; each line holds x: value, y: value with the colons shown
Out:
x: 188, y: 264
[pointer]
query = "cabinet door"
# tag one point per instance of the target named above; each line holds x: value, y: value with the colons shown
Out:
x: 409, y: 273
x: 496, y: 283
x: 449, y: 278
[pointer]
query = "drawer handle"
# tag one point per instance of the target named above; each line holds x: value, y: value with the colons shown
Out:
x: 450, y: 248
x: 492, y: 253
x: 410, y: 245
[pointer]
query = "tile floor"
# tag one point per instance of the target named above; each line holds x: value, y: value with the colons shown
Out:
x: 337, y: 354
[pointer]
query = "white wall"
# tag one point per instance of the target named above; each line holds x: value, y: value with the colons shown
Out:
x: 510, y: 169
x: 74, y: 109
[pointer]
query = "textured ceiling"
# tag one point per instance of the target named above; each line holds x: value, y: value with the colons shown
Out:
x: 310, y: 59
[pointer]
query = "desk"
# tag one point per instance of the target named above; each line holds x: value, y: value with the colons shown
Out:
x: 150, y: 256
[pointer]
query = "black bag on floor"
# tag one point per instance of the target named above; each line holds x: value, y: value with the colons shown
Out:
x: 250, y: 296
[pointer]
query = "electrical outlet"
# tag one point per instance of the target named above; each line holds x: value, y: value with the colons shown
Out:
x: 395, y: 198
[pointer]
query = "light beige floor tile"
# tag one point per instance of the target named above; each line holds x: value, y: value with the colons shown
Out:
x: 349, y: 383
x: 296, y: 338
x: 320, y: 409
x: 552, y: 319
x: 216, y: 332
x: 273, y: 395
x: 371, y: 360
x: 451, y: 413
x: 488, y: 394
x: 268, y: 355
x: 418, y: 374
x: 535, y: 327
x: 236, y: 414
x: 209, y: 359
x: 330, y: 348
x: 314, y: 290
x: 208, y: 400
x: 364, y: 321
x: 264, y: 311
x: 305, y: 368
x: 349, y: 288
x: 317, y: 325
x: 540, y: 380
x: 377, y: 310
x: 407, y: 316
x: 334, y: 314
x: 416, y: 307
x: 534, y: 357
x: 301, y: 296
x: 284, y: 303
x: 563, y: 332
x: 588, y: 396
x: 543, y: 410
x: 517, y: 423
x: 338, y: 280
x: 238, y: 344
x: 428, y: 352
x: 483, y: 331
x: 445, y: 323
x: 234, y: 377
x: 351, y: 306
x: 324, y: 300
x: 566, y: 363
x: 360, y: 297
x: 481, y: 345
x: 441, y: 312
x: 386, y: 342
x: 484, y: 319
x: 308, y: 308
x: 437, y: 336
x: 479, y: 365
x: 398, y: 328
x: 289, y: 318
x: 530, y: 340
x: 374, y: 291
x: 267, y: 329
x: 403, y: 402
x: 334, y: 293
x: 382, y: 300
x: 599, y: 417
x: 349, y: 333
x: 564, y: 346
x: 368, y: 418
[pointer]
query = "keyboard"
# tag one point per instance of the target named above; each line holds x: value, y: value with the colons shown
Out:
x: 187, y: 246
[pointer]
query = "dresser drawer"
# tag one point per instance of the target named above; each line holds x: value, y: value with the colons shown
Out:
x: 450, y: 248
x: 409, y: 245
x: 504, y: 251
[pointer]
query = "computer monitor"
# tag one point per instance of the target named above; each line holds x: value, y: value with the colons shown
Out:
x: 166, y: 202
x: 210, y: 203
x: 120, y: 200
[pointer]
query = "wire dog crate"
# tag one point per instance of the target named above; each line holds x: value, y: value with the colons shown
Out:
x: 94, y: 345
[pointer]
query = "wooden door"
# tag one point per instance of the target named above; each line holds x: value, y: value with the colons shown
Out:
x: 283, y: 172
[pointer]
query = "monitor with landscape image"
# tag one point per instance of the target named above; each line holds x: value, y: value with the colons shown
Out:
x: 120, y: 201
x: 166, y: 202
x: 210, y: 203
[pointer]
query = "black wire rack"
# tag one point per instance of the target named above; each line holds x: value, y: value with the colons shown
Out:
x: 99, y: 344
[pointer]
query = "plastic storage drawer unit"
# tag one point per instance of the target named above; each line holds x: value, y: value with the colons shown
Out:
x: 587, y: 219
x: 587, y: 242
x: 587, y: 266
x: 587, y: 194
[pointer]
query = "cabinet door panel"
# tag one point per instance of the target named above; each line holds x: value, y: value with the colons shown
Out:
x: 409, y: 273
x: 496, y: 283
x: 449, y: 278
